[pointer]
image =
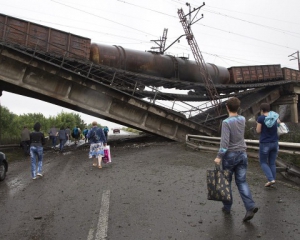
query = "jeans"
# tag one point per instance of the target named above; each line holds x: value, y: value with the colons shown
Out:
x: 237, y: 163
x: 61, y: 144
x: 53, y: 139
x: 36, y: 151
x: 267, y: 157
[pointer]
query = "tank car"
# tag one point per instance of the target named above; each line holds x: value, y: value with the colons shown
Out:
x: 154, y: 64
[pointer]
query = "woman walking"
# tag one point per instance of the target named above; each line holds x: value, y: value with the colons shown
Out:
x: 268, y: 142
x: 97, y: 140
x: 37, y: 140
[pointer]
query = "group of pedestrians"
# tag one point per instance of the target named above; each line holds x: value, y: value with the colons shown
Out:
x: 63, y: 135
x: 32, y: 143
x: 232, y: 153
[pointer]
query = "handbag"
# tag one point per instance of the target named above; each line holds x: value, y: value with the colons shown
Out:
x: 107, y: 157
x: 282, y: 129
x: 218, y: 184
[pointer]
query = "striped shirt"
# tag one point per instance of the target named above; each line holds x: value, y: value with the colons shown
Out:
x: 232, y: 136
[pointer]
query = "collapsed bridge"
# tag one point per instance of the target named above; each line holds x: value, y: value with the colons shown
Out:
x: 121, y: 85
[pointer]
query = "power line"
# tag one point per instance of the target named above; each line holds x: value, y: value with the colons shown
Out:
x: 147, y: 8
x: 248, y: 37
x: 246, y: 13
x: 101, y: 17
x: 257, y: 24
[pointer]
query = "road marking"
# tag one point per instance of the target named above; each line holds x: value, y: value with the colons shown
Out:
x: 101, y: 232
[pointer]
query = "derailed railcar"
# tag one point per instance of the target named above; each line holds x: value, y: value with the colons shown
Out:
x: 155, y: 64
x: 34, y: 36
x: 252, y: 74
x: 291, y: 74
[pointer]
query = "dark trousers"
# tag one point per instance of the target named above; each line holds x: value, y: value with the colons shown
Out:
x: 61, y: 144
x: 53, y: 140
x: 25, y: 146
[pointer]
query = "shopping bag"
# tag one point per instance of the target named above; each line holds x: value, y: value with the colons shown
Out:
x: 107, y: 157
x: 282, y: 129
x: 218, y: 184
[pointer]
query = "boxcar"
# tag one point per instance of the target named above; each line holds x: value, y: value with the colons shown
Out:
x: 291, y: 74
x: 41, y: 38
x: 260, y: 73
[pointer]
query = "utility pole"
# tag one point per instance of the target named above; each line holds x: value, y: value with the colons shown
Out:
x: 295, y: 58
x: 209, y: 85
x: 161, y: 42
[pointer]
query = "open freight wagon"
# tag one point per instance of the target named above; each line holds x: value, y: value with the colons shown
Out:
x: 252, y: 74
x: 44, y: 39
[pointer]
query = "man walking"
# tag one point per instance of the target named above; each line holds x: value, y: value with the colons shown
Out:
x: 25, y: 140
x: 53, y: 135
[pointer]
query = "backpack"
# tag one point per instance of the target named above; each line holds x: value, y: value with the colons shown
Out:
x: 105, y: 129
x: 85, y: 131
x: 93, y: 137
x: 75, y: 132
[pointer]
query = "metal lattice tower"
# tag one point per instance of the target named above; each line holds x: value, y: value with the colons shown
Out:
x: 164, y: 39
x: 209, y: 85
x: 161, y: 42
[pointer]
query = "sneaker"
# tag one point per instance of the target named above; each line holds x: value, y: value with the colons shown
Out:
x: 34, y: 178
x: 250, y: 214
x: 39, y: 174
x: 225, y: 211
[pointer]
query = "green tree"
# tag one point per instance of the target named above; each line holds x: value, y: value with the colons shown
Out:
x: 7, y: 120
x: 11, y: 124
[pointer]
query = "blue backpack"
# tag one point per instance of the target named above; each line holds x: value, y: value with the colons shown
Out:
x: 75, y: 131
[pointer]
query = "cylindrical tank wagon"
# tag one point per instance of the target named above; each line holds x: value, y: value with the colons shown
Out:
x: 154, y: 64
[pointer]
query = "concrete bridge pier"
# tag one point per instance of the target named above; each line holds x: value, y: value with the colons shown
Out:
x: 292, y: 104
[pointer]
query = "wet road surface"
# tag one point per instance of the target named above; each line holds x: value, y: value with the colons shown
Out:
x: 151, y: 190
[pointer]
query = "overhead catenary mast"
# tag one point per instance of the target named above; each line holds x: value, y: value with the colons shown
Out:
x: 161, y: 42
x: 209, y: 85
x: 296, y: 58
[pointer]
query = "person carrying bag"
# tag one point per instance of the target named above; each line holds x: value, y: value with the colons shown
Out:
x: 267, y: 127
x: 233, y: 157
x: 97, y: 142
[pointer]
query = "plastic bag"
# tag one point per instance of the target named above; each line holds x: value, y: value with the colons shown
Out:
x: 282, y: 129
x: 107, y: 157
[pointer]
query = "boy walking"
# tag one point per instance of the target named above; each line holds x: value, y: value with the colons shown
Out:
x: 233, y: 157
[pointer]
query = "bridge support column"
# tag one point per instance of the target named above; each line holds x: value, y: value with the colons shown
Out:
x: 294, y: 110
x: 292, y: 101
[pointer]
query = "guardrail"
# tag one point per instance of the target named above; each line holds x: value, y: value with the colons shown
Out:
x: 204, y: 143
x: 9, y: 146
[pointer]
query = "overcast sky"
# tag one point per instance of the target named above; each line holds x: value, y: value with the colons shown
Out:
x: 232, y: 32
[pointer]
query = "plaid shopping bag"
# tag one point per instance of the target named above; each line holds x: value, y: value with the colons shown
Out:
x: 218, y: 184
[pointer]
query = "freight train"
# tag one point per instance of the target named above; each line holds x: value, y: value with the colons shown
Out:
x: 26, y: 34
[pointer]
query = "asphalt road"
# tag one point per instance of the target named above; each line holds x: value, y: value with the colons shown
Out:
x: 151, y: 190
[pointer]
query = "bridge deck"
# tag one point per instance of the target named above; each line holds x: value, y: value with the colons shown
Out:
x: 29, y: 75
